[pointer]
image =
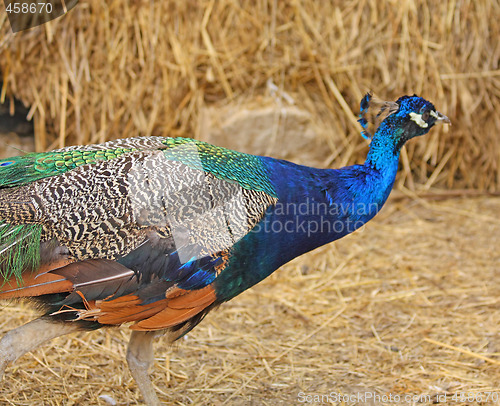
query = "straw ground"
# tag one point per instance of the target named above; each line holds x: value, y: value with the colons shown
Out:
x: 407, y: 306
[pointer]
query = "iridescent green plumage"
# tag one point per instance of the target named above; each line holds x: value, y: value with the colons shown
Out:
x: 21, y: 170
x: 19, y: 249
x: 245, y: 169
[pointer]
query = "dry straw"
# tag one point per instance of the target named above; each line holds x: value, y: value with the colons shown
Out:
x: 125, y: 68
x: 408, y: 306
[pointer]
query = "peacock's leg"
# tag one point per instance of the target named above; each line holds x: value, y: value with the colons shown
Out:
x: 140, y: 359
x: 26, y: 338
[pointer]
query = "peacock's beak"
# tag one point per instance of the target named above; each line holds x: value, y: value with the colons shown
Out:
x: 441, y: 118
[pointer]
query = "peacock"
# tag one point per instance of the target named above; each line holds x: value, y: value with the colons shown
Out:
x: 154, y: 232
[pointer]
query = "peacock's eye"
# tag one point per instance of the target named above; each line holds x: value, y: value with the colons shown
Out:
x: 7, y: 163
x: 425, y: 115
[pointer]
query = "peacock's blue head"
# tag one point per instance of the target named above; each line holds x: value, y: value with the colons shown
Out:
x: 400, y: 121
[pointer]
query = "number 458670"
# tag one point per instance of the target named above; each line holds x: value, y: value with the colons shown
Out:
x: 32, y: 8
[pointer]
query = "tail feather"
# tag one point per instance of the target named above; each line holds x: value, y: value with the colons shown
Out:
x: 97, y: 279
x: 41, y: 282
x: 94, y: 279
x: 19, y: 250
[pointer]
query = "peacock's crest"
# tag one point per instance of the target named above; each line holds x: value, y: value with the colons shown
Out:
x: 373, y: 111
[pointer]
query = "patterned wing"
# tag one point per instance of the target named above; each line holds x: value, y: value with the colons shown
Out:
x: 140, y: 237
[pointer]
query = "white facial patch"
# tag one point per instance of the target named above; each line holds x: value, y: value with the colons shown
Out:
x: 418, y: 119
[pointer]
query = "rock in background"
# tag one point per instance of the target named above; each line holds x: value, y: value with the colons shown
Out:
x: 16, y: 132
x: 264, y: 127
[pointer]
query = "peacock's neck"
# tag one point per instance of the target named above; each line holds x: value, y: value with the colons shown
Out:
x: 317, y: 206
x: 384, y: 149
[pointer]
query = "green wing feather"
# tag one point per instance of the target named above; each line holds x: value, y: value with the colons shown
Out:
x: 21, y: 170
x: 245, y: 169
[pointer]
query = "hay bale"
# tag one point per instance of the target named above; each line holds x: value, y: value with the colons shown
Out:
x: 115, y: 70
